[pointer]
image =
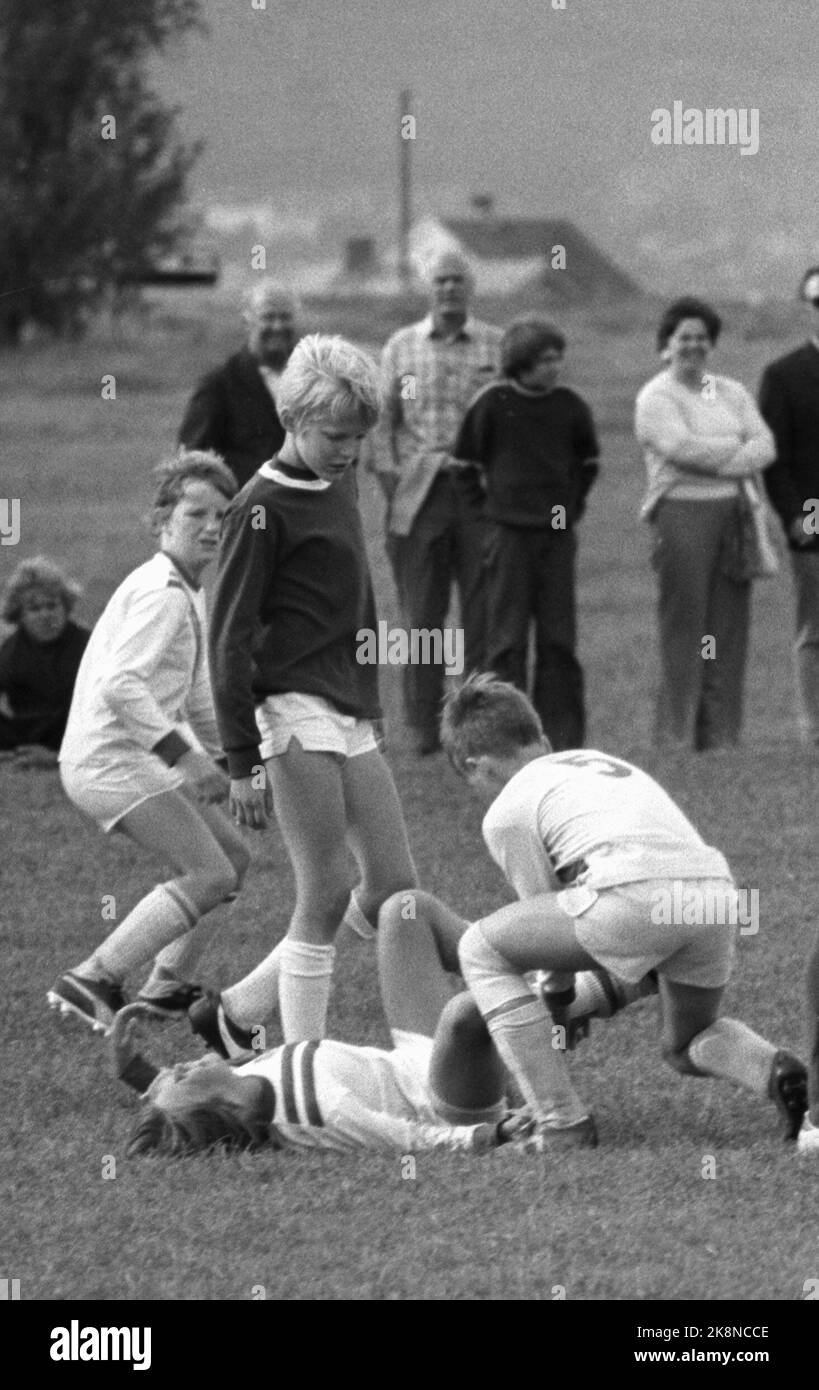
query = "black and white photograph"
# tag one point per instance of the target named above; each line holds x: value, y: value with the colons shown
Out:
x: 409, y: 665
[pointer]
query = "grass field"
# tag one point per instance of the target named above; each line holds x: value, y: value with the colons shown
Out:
x: 635, y: 1219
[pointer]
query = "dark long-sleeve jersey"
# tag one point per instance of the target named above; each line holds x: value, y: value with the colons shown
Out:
x: 535, y: 451
x: 293, y: 591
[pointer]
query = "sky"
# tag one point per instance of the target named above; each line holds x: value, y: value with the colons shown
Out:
x: 547, y: 109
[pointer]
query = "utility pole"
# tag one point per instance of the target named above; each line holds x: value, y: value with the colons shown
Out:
x: 406, y: 135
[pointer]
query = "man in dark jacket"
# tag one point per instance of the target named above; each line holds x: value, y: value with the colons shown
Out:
x: 233, y: 409
x: 789, y: 401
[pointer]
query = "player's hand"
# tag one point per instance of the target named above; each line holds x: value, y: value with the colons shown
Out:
x: 797, y: 532
x: 207, y: 782
x: 251, y: 804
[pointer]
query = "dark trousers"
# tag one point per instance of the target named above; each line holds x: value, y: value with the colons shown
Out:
x: 531, y: 574
x: 444, y: 545
x: 699, y: 703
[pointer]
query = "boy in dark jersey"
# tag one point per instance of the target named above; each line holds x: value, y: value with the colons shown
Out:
x: 295, y: 704
x: 534, y: 448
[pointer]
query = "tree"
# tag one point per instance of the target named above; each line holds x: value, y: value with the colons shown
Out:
x: 92, y: 168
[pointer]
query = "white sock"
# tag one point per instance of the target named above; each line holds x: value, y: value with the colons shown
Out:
x: 524, y: 1039
x: 304, y: 989
x: 733, y: 1050
x: 354, y: 919
x: 165, y: 913
x: 521, y: 1029
x: 255, y: 998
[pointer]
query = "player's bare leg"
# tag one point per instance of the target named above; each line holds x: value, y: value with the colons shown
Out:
x: 208, y: 869
x: 308, y: 795
x: 697, y: 1042
x: 179, y: 960
x: 417, y: 956
x: 377, y: 835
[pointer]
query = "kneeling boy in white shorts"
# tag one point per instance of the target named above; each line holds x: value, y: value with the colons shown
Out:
x: 598, y: 854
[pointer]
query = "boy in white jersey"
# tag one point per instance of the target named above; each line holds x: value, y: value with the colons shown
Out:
x: 140, y: 753
x: 440, y: 1087
x: 592, y: 844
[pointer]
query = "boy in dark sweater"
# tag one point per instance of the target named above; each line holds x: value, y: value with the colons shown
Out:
x: 295, y: 701
x: 534, y: 456
x: 38, y: 662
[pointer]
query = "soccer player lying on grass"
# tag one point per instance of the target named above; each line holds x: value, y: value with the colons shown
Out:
x: 440, y: 1087
x: 592, y: 845
x: 140, y: 747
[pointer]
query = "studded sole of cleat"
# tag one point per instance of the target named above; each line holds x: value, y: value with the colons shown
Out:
x: 61, y: 1006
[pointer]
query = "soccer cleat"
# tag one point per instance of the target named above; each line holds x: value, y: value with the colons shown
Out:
x: 547, y: 1138
x: 788, y: 1089
x: 174, y: 1002
x: 808, y: 1138
x: 94, y: 1001
x: 210, y: 1022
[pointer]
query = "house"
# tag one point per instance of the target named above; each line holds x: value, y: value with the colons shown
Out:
x: 510, y: 254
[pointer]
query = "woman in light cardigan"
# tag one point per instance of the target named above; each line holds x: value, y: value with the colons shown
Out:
x: 700, y: 435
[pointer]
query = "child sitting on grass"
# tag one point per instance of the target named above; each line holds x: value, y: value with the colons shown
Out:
x: 38, y: 662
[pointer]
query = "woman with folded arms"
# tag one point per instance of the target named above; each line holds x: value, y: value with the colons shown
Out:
x: 701, y: 435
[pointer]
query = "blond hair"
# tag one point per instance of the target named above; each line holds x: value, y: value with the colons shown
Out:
x: 329, y: 379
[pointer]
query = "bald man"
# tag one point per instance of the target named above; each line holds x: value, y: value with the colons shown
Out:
x: 233, y: 409
x: 434, y: 532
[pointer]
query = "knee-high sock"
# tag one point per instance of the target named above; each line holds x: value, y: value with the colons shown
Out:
x: 304, y: 989
x: 521, y: 1029
x: 733, y: 1050
x: 165, y: 913
x: 255, y: 998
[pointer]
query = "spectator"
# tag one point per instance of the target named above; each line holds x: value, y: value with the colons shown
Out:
x: 434, y: 535
x: 537, y: 450
x: 38, y: 662
x: 700, y: 434
x: 233, y: 409
x: 789, y: 401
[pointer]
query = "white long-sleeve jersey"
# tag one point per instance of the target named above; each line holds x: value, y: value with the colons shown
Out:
x: 144, y: 674
x: 596, y: 813
x: 333, y: 1095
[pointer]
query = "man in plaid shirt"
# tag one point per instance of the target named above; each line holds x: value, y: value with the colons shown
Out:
x: 434, y: 533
